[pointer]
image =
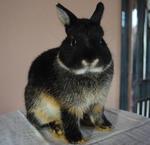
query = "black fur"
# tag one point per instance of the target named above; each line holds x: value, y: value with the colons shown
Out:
x: 105, y: 123
x: 84, y: 41
x: 89, y: 45
x: 86, y: 121
x: 71, y: 128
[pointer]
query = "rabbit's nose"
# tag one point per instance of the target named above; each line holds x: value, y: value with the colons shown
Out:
x: 92, y: 63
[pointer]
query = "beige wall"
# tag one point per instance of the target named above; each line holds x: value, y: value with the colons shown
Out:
x: 28, y: 27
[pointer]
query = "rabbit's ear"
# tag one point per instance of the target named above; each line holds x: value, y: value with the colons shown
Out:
x: 97, y: 15
x: 65, y: 16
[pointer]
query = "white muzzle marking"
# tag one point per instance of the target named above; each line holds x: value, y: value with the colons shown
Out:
x: 86, y: 69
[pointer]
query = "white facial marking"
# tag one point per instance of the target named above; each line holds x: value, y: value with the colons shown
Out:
x: 110, y: 63
x: 92, y: 69
x: 86, y: 67
x: 95, y: 62
x: 97, y: 69
x: 84, y: 63
x: 80, y: 71
x: 62, y: 64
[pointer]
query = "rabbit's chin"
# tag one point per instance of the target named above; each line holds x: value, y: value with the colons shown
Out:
x: 84, y: 70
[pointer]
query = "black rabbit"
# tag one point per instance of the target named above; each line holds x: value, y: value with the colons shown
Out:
x: 68, y: 85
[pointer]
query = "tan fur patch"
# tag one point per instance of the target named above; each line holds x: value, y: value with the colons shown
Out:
x: 59, y: 138
x: 97, y: 108
x: 62, y: 139
x: 107, y: 129
x: 77, y: 110
x: 47, y: 109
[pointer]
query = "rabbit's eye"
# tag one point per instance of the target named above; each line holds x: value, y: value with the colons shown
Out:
x: 73, y: 42
x: 100, y: 41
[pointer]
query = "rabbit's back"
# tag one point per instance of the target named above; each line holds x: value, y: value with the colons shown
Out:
x: 41, y: 72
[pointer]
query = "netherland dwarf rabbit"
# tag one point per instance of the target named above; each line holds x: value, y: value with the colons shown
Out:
x: 68, y: 85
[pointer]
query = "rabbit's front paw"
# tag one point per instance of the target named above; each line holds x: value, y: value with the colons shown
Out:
x: 74, y: 138
x: 104, y: 126
x: 57, y: 129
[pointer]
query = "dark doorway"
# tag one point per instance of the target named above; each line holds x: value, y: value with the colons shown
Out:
x: 135, y: 57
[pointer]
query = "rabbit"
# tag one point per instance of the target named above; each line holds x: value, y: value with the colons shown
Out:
x: 68, y: 85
